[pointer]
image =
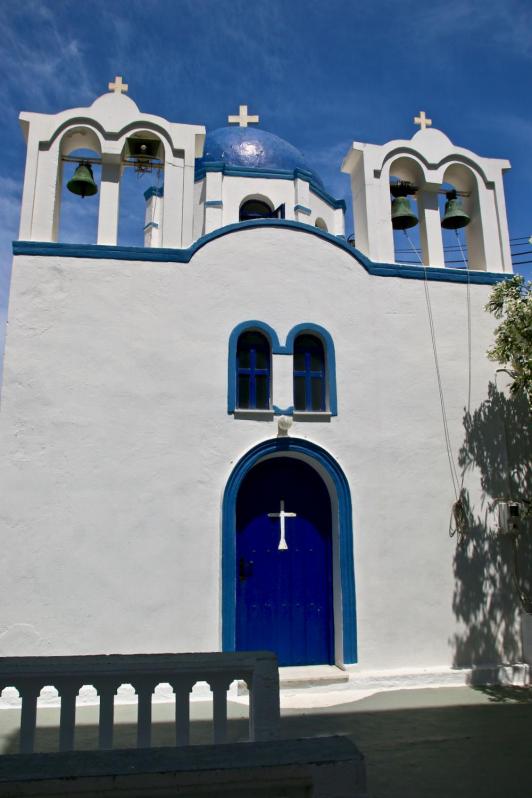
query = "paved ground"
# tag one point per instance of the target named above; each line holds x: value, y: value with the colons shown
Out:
x: 436, y: 743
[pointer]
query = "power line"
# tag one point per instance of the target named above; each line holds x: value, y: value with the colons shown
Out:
x: 415, y: 263
x: 453, y: 249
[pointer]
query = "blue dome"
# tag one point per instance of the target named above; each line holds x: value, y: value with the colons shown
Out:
x: 253, y: 148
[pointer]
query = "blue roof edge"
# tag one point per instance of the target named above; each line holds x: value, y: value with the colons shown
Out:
x: 167, y: 255
x: 200, y: 171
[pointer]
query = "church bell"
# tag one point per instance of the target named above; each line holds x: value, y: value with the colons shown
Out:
x: 454, y: 216
x: 82, y: 182
x: 403, y: 216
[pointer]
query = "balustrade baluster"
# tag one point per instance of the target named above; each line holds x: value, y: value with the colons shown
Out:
x: 144, y: 693
x: 67, y: 720
x: 264, y: 712
x: 182, y: 712
x: 107, y: 710
x: 219, y: 687
x: 28, y: 718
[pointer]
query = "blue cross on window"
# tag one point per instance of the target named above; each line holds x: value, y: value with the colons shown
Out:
x: 309, y: 374
x: 253, y: 372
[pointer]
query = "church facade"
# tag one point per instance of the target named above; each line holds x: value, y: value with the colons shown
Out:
x: 250, y: 433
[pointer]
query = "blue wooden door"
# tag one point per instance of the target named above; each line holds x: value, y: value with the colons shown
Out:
x: 284, y: 584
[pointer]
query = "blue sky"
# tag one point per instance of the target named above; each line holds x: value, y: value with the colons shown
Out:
x: 320, y: 74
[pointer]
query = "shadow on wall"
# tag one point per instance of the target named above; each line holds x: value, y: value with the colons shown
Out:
x: 493, y: 572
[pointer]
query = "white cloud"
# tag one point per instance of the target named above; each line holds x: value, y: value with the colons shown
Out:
x: 37, y: 67
x: 501, y: 26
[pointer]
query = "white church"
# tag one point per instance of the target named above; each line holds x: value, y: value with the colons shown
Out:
x: 245, y: 434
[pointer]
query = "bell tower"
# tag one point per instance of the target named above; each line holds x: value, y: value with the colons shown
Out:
x: 121, y: 136
x: 425, y: 167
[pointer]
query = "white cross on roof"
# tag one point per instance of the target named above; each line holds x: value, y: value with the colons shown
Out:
x: 118, y: 87
x: 422, y: 120
x: 242, y: 118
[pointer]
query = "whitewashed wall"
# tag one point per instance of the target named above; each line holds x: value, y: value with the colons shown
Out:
x: 333, y: 217
x: 199, y: 209
x: 237, y: 189
x: 234, y: 190
x: 116, y: 445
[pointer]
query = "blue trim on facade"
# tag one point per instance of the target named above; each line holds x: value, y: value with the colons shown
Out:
x: 214, y: 204
x: 302, y: 209
x: 287, y: 349
x: 245, y: 326
x: 323, y: 195
x: 153, y: 191
x: 270, y: 174
x: 278, y: 411
x: 163, y: 255
x: 281, y: 446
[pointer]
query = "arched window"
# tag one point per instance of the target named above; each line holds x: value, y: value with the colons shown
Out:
x: 253, y: 366
x: 320, y: 224
x: 309, y: 374
x: 255, y: 209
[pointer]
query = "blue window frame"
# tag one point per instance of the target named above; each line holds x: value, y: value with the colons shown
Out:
x: 253, y: 367
x: 309, y: 374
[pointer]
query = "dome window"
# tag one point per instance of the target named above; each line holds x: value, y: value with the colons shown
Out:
x: 255, y: 209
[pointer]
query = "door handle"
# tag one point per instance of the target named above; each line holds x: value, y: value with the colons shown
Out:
x: 245, y: 569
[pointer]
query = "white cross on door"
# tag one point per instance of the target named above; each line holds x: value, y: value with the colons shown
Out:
x: 282, y: 515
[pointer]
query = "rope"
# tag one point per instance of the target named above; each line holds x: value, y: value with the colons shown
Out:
x: 525, y: 601
x: 454, y: 473
x: 458, y: 510
x: 156, y: 198
x: 469, y: 357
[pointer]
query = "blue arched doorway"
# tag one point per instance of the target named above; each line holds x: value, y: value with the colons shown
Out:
x: 335, y: 597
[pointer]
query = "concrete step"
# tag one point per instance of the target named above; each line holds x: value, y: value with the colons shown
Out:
x: 301, y: 676
x: 311, y: 676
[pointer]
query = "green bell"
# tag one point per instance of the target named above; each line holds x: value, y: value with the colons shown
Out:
x: 454, y: 217
x: 82, y: 182
x: 403, y: 216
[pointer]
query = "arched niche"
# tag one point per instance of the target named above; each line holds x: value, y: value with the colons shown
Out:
x: 80, y: 137
x: 463, y: 178
x: 140, y: 210
x: 320, y: 224
x: 75, y: 217
x: 406, y: 168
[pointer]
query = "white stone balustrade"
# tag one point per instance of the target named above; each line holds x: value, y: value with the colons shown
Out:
x: 144, y: 672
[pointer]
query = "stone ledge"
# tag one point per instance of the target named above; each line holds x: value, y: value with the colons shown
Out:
x: 321, y: 767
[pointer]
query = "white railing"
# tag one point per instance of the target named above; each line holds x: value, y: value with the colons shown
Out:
x: 144, y: 672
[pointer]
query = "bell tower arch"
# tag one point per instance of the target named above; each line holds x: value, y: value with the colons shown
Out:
x: 110, y: 124
x: 427, y: 161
